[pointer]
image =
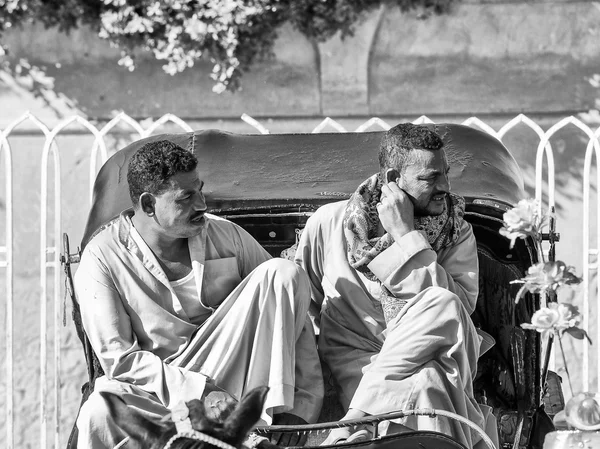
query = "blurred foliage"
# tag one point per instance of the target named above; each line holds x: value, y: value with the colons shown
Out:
x: 232, y: 34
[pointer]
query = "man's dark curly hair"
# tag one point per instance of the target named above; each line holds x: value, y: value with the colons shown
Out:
x: 399, y: 141
x: 153, y: 164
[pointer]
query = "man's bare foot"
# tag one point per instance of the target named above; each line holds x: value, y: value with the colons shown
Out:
x: 352, y: 434
x: 347, y: 434
x: 337, y: 436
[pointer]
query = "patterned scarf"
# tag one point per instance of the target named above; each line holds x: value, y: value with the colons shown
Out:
x: 362, y: 244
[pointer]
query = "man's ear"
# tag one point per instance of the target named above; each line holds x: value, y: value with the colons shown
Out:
x: 147, y: 202
x: 392, y: 175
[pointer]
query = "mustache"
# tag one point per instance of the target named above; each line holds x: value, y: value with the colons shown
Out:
x: 199, y: 214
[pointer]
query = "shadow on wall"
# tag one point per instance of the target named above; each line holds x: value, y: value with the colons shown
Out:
x: 85, y: 69
x: 487, y: 58
x: 27, y: 87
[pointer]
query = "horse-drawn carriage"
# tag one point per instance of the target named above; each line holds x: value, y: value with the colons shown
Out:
x: 271, y: 184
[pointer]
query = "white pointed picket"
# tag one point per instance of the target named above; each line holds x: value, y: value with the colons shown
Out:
x: 328, y: 122
x: 422, y: 120
x: 6, y: 248
x: 372, y: 122
x: 590, y: 268
x: 254, y: 123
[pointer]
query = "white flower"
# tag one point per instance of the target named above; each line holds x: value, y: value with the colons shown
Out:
x: 521, y: 221
x: 557, y: 319
x: 544, y: 320
x: 569, y: 316
x: 127, y: 61
x: 543, y: 277
x: 522, y: 217
x: 196, y: 28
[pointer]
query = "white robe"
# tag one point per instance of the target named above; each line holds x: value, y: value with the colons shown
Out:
x: 253, y: 328
x: 427, y: 356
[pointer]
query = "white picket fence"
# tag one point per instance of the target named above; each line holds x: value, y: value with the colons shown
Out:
x: 49, y: 249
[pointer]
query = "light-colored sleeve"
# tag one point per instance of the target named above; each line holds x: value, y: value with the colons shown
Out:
x: 308, y: 371
x: 309, y: 388
x: 309, y: 255
x: 410, y: 265
x: 251, y: 253
x: 108, y: 327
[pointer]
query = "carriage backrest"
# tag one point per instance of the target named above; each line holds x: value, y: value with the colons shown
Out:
x: 274, y: 171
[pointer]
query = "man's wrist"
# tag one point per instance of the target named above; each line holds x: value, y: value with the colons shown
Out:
x: 400, y: 232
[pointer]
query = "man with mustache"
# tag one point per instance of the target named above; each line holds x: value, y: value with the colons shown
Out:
x: 179, y: 304
x: 394, y: 278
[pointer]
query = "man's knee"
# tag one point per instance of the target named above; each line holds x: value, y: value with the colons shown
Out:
x: 435, y: 302
x: 441, y: 298
x: 93, y: 416
x: 285, y: 272
x: 285, y: 275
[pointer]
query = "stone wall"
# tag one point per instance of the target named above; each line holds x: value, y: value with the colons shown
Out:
x: 482, y: 58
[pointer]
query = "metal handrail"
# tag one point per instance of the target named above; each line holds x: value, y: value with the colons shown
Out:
x: 376, y: 419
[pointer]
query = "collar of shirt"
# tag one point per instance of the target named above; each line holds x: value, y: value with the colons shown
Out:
x: 135, y: 244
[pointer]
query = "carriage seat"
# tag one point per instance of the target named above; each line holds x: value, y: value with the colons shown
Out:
x: 270, y: 184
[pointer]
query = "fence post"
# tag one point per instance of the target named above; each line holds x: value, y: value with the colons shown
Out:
x: 7, y: 263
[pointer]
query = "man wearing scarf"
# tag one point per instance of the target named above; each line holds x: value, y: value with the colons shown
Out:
x: 394, y: 279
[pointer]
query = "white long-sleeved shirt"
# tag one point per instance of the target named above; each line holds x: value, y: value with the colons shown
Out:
x: 132, y: 316
x: 406, y: 268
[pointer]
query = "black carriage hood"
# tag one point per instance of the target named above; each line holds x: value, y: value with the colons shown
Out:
x: 242, y: 170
